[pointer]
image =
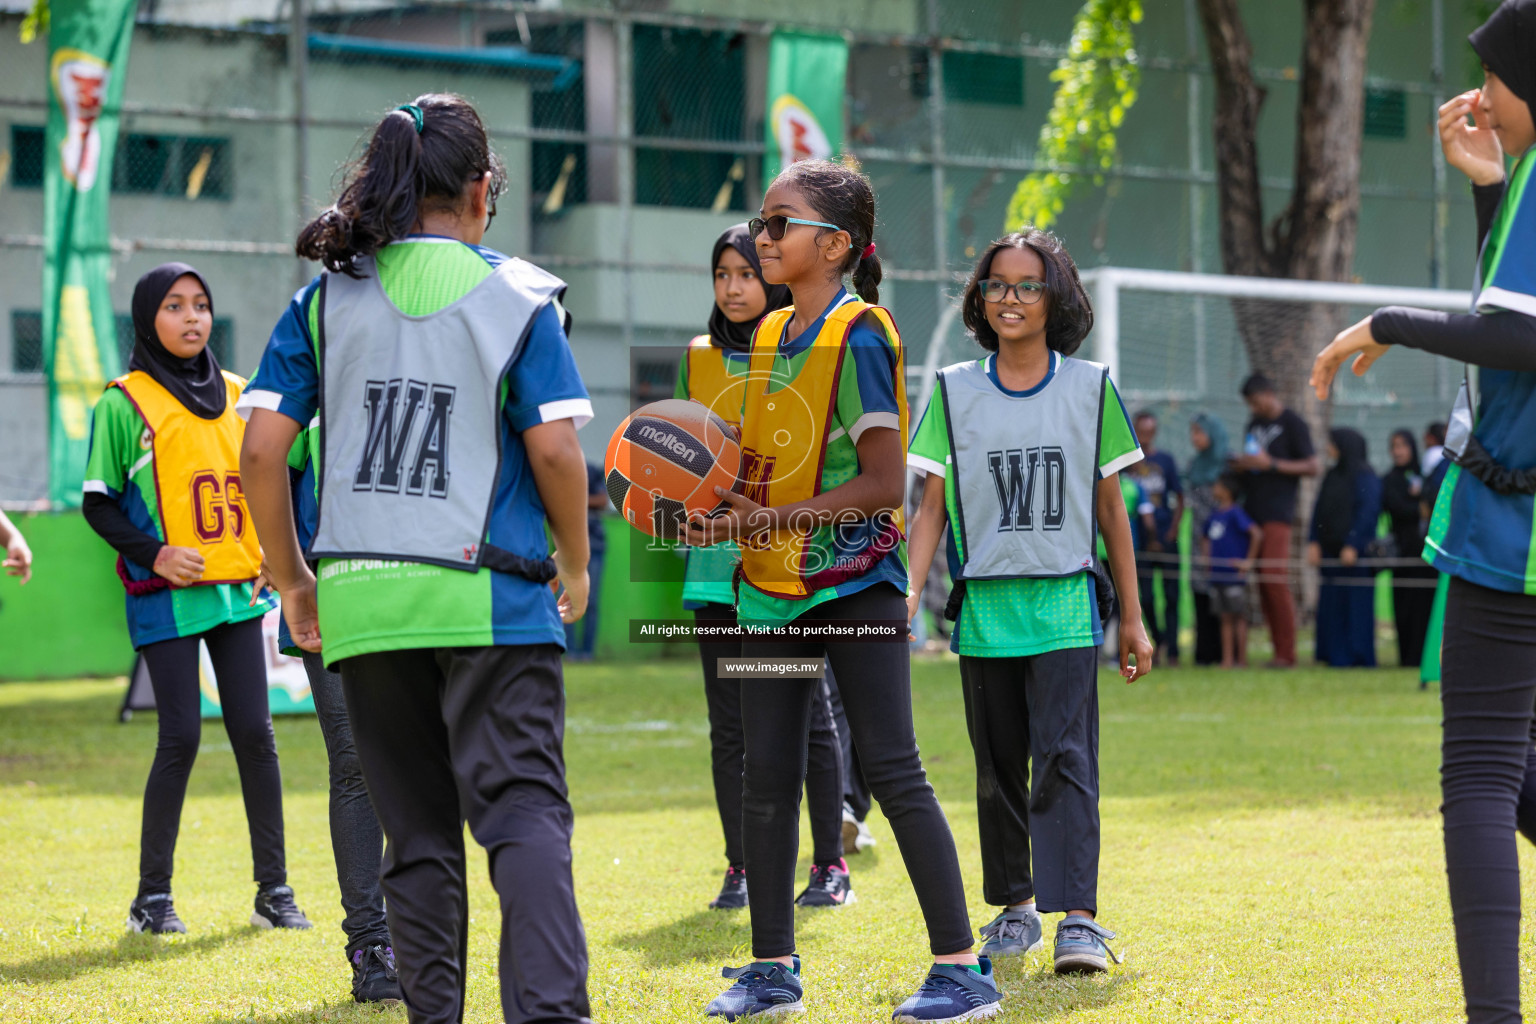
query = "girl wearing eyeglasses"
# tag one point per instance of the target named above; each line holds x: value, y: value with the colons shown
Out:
x: 1022, y: 451
x: 820, y: 526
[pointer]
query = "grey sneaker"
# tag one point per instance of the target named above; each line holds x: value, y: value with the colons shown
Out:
x: 1012, y: 933
x: 1082, y: 946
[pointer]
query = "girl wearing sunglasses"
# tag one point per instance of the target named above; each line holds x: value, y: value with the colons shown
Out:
x: 824, y: 427
x: 714, y: 372
x: 1022, y: 451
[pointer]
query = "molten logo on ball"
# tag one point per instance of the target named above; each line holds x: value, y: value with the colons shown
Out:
x: 669, y: 441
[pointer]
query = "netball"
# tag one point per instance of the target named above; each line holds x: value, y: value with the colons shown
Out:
x: 664, y: 463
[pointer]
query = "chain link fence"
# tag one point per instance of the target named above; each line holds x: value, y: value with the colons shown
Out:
x: 635, y: 133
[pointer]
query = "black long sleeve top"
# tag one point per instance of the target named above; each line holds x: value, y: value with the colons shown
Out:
x: 1499, y: 341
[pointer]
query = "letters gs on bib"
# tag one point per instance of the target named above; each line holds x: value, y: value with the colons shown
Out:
x: 1025, y: 477
x: 408, y: 435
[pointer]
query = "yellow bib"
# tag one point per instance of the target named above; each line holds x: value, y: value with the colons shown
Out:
x: 197, y: 478
x: 712, y: 383
x: 784, y: 436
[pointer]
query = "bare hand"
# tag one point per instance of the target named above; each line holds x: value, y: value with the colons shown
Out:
x: 1246, y: 565
x: 744, y: 518
x: 572, y: 589
x: 1356, y: 342
x: 1348, y: 555
x: 262, y: 581
x: 302, y: 613
x: 18, y: 559
x: 1472, y: 149
x: 1314, y: 554
x: 1135, y: 649
x: 914, y: 602
x: 1256, y: 463
x: 182, y: 567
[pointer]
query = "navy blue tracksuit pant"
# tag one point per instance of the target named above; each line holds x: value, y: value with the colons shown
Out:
x: 1045, y: 708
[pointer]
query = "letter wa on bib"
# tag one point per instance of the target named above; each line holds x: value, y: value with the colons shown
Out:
x: 410, y: 414
x: 1026, y: 470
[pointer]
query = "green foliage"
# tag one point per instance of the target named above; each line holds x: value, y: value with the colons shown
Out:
x: 1096, y: 83
x: 36, y: 22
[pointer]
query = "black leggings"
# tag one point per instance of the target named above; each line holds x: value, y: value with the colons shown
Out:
x: 824, y: 770
x: 875, y: 684
x: 240, y: 665
x: 1488, y: 781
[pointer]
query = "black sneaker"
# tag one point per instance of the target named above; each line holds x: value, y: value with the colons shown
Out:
x: 275, y: 909
x: 154, y: 913
x: 733, y: 894
x: 373, y: 975
x: 830, y: 886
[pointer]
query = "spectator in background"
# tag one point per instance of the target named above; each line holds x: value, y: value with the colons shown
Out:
x: 1277, y: 453
x: 1158, y: 475
x: 1208, y: 436
x: 1402, y: 498
x: 1434, y: 447
x: 586, y: 626
x: 18, y: 557
x: 1230, y: 540
x: 1343, y: 523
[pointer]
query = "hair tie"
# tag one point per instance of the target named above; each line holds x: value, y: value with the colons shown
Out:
x: 416, y: 115
x: 869, y: 250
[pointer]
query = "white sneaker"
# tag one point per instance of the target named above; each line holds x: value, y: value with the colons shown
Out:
x: 856, y: 834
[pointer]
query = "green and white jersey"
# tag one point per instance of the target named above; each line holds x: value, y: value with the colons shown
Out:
x: 121, y: 465
x: 1014, y: 618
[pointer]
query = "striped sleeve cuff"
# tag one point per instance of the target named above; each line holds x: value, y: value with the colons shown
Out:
x: 925, y: 465
x: 274, y: 401
x: 578, y: 410
x: 889, y: 420
x: 1130, y: 458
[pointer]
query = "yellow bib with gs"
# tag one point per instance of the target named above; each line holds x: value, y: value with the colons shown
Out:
x: 786, y: 423
x: 197, y: 478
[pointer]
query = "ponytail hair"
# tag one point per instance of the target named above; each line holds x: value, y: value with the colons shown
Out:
x: 842, y: 196
x: 405, y: 172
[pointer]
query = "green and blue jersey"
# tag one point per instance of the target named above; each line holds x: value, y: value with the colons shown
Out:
x: 367, y: 605
x: 1475, y: 533
x: 121, y: 465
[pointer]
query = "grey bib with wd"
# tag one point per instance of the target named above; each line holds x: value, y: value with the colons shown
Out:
x: 410, y: 418
x: 1025, y: 497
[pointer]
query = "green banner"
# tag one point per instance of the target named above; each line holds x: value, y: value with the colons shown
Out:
x: 807, y: 78
x: 87, y: 62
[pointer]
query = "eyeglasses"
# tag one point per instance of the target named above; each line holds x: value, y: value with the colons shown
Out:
x: 778, y: 224
x: 1028, y: 292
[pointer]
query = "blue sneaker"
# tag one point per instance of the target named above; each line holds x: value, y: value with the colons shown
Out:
x: 1013, y: 933
x: 763, y: 988
x: 952, y: 992
x: 1082, y: 946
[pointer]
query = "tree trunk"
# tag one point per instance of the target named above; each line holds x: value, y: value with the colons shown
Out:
x: 1313, y: 238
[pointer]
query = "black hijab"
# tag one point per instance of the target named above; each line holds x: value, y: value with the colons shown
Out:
x: 1335, y: 515
x: 196, y: 382
x: 1506, y: 42
x: 723, y: 332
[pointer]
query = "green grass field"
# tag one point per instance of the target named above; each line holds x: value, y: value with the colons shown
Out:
x: 1271, y: 853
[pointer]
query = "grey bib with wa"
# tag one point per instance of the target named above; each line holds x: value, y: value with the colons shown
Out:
x: 1026, y: 470
x: 410, y: 415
